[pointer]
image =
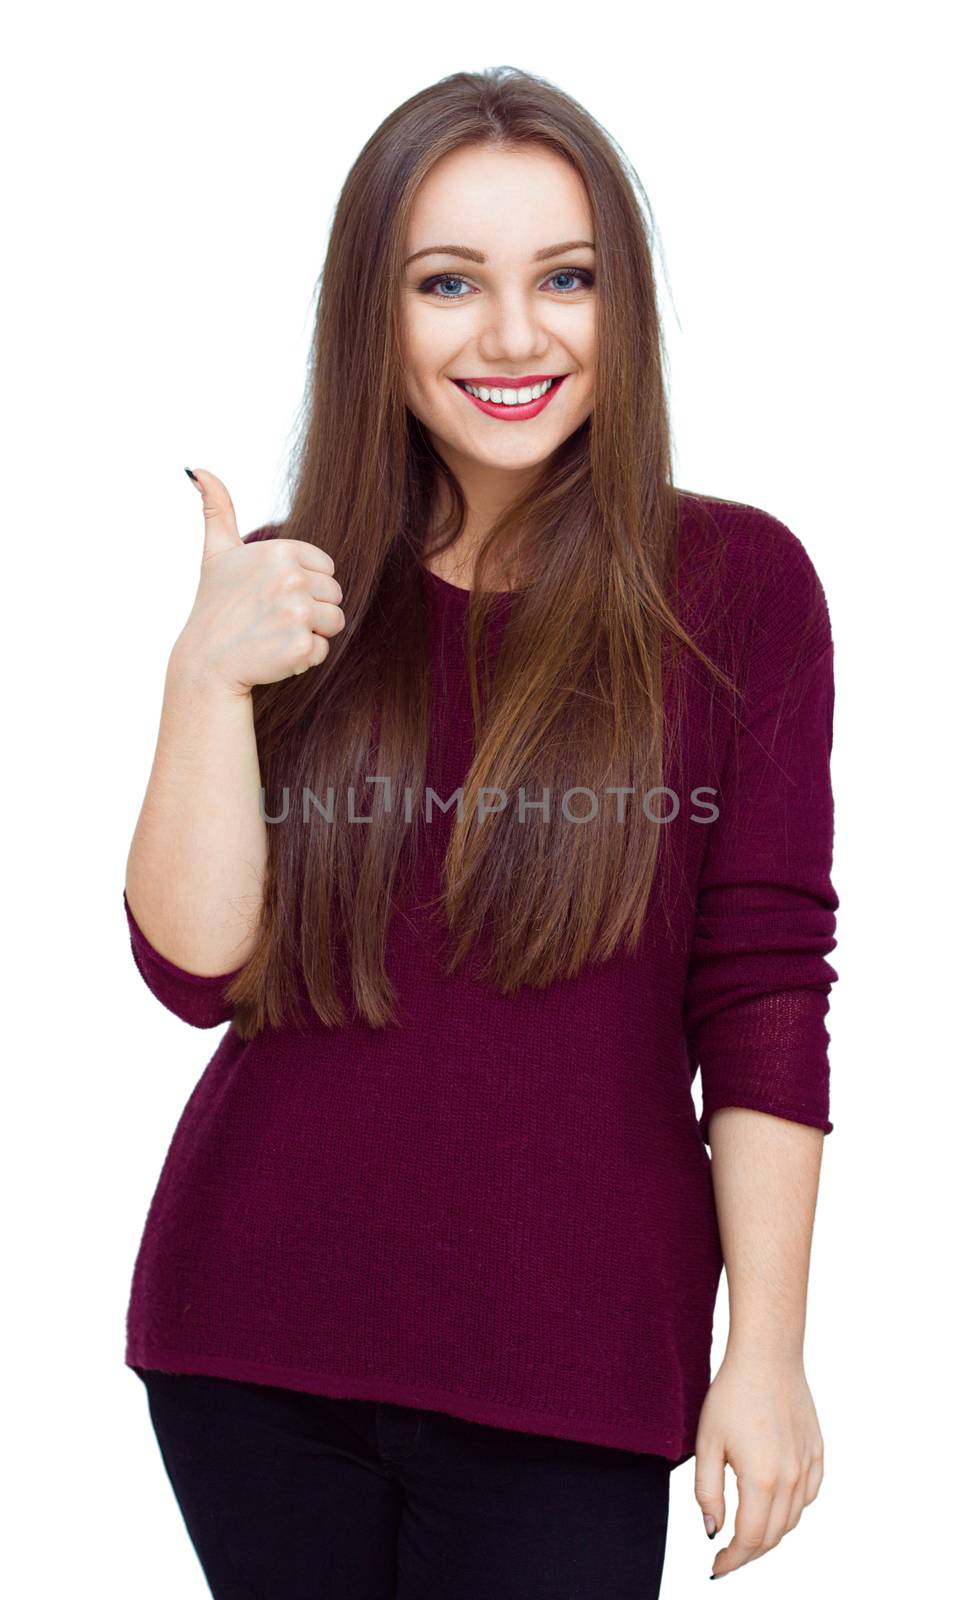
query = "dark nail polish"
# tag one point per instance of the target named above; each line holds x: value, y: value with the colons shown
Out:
x: 191, y: 474
x: 712, y: 1536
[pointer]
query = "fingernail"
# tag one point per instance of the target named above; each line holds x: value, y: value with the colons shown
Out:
x: 192, y: 476
x: 710, y: 1526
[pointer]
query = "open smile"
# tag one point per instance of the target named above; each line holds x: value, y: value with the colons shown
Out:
x: 508, y: 408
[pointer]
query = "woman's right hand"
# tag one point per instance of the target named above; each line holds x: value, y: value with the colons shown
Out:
x: 263, y: 611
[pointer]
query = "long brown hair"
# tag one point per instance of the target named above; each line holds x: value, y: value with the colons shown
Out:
x: 575, y: 695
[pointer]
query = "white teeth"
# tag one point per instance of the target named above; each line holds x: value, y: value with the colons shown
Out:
x: 510, y: 397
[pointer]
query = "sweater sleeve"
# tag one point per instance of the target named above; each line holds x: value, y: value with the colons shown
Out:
x: 758, y: 982
x: 197, y: 999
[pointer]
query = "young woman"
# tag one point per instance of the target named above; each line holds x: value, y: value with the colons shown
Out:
x: 491, y: 803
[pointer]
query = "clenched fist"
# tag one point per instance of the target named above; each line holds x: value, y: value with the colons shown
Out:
x: 263, y: 611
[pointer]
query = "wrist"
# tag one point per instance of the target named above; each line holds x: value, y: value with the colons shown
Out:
x: 764, y: 1348
x: 190, y: 672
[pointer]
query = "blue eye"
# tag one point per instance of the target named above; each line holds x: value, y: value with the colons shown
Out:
x: 441, y: 279
x: 586, y: 280
x: 573, y: 272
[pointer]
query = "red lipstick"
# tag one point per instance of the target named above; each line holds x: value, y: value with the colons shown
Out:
x: 512, y: 413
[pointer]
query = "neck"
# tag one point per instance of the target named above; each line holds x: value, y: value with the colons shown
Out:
x: 486, y: 501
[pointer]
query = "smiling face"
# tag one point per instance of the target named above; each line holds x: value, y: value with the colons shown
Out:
x: 505, y: 299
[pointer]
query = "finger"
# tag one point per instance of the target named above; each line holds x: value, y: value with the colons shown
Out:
x: 814, y: 1476
x: 798, y: 1502
x: 750, y: 1526
x: 782, y: 1511
x: 327, y: 619
x: 324, y: 587
x: 708, y: 1485
x: 310, y: 555
x: 313, y: 653
x: 221, y: 529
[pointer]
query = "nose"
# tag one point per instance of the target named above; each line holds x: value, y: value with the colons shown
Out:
x: 515, y: 333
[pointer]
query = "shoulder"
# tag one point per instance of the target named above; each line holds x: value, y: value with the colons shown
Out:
x: 748, y: 579
x: 743, y: 543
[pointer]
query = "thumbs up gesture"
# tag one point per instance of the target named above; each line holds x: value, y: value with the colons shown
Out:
x: 263, y: 611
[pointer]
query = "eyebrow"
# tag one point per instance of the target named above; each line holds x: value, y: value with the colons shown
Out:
x: 468, y: 254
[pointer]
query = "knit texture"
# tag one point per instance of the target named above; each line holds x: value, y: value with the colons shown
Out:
x: 502, y: 1208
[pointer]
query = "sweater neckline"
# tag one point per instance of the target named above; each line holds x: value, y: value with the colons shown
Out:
x: 455, y: 593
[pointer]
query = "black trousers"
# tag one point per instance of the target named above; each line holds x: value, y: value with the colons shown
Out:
x: 293, y: 1496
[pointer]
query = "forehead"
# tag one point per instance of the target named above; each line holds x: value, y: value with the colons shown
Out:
x: 503, y: 202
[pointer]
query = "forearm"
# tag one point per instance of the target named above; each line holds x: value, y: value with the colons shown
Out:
x: 195, y: 869
x: 765, y: 1175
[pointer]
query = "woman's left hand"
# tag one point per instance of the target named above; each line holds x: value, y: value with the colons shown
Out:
x: 758, y: 1415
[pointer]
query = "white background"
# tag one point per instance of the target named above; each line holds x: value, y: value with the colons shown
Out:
x: 170, y: 173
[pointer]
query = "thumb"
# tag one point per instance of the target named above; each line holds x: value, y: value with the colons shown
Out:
x: 221, y: 529
x: 708, y: 1489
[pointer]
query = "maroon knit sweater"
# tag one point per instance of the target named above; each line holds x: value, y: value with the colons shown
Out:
x: 502, y: 1207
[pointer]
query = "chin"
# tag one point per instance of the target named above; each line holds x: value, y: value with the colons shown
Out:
x: 516, y: 459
